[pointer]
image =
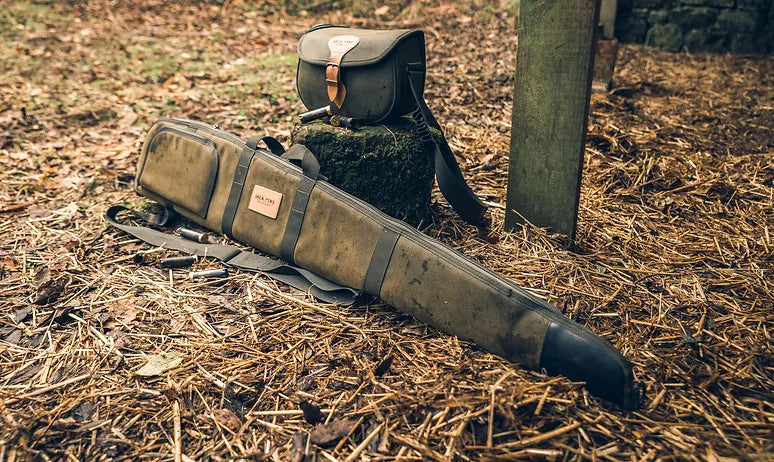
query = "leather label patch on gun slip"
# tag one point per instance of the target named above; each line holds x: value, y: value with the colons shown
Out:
x: 265, y: 201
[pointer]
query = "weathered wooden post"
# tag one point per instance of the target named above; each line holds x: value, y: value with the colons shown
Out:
x: 554, y: 66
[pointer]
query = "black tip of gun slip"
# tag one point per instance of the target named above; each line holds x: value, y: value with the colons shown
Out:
x: 606, y: 372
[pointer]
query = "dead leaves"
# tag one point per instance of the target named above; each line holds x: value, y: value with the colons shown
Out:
x: 326, y: 435
x: 123, y: 314
x: 84, y: 411
x: 36, y: 211
x: 14, y: 337
x: 157, y: 364
x: 48, y: 289
x: 312, y: 413
x: 227, y: 418
x: 22, y: 314
x: 89, y: 117
x: 384, y: 365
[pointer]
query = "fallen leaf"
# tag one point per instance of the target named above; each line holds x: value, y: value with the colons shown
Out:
x: 227, y: 418
x: 233, y: 402
x: 22, y: 314
x: 383, y: 366
x: 83, y: 411
x: 69, y: 182
x: 311, y: 411
x: 298, y: 447
x: 124, y: 312
x: 382, y: 10
x: 159, y: 363
x: 326, y: 435
x: 120, y: 339
x: 38, y: 211
x: 35, y: 341
x: 50, y: 292
x: 128, y: 117
x: 41, y: 277
x: 8, y: 263
x: 14, y: 337
x: 23, y: 375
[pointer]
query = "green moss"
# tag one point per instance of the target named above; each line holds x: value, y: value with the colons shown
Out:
x: 384, y: 165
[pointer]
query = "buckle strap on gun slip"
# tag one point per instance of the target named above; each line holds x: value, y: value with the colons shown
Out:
x: 234, y: 257
x: 450, y: 180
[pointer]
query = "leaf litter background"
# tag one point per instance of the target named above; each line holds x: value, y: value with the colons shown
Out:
x: 104, y: 358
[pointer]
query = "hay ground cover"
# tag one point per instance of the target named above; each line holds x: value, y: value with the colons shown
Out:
x: 102, y: 358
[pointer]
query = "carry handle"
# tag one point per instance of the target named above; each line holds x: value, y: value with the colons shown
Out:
x: 274, y: 146
x: 302, y: 157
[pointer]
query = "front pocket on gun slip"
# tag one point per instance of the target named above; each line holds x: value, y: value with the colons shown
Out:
x: 180, y: 167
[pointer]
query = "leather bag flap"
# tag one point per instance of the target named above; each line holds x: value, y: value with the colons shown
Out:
x: 372, y: 47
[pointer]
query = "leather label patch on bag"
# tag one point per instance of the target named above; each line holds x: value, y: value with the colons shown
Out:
x: 265, y: 201
x: 341, y: 44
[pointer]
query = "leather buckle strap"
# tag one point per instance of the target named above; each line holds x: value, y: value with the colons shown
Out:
x: 332, y: 71
x: 339, y: 45
x: 336, y: 90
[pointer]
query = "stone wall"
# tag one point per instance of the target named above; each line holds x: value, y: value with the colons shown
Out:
x: 740, y: 26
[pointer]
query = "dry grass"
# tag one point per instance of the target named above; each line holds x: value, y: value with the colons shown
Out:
x: 673, y: 262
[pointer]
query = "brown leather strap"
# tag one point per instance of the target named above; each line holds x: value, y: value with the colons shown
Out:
x: 339, y: 46
x: 336, y: 89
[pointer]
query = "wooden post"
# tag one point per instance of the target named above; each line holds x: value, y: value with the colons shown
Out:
x: 554, y: 66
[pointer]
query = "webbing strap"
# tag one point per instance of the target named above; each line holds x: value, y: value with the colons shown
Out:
x: 234, y: 257
x: 380, y: 260
x: 235, y: 194
x: 296, y: 218
x: 450, y: 180
x: 301, y: 156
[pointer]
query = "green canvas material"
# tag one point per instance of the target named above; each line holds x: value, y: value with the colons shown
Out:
x: 374, y: 72
x: 344, y: 240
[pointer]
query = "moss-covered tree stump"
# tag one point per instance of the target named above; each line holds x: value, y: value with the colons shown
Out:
x: 384, y: 165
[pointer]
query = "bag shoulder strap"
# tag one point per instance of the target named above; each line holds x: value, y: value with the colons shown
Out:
x: 234, y: 257
x: 450, y: 180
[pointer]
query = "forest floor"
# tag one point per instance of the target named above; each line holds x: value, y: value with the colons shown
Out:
x: 673, y: 263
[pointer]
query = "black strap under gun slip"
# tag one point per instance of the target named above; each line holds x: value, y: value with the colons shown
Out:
x: 232, y: 256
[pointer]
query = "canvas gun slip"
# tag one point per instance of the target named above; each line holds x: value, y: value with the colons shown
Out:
x: 265, y: 200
